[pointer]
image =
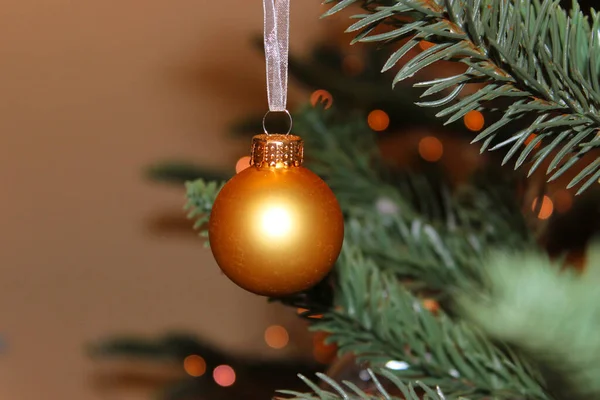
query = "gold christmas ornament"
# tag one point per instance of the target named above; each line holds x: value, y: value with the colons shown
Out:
x: 276, y: 228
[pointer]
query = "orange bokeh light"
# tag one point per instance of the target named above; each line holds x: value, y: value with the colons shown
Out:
x: 378, y: 120
x: 530, y: 138
x: 194, y: 365
x: 474, y: 120
x: 224, y: 375
x: 563, y: 201
x: 276, y: 337
x: 323, y: 353
x: 321, y: 96
x: 431, y: 149
x: 242, y: 164
x: 546, y: 209
x: 431, y: 305
x: 322, y: 357
x: 314, y: 316
x: 424, y: 44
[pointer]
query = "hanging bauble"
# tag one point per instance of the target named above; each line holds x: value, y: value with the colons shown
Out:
x: 276, y: 228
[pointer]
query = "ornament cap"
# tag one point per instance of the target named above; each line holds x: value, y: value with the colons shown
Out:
x: 276, y: 150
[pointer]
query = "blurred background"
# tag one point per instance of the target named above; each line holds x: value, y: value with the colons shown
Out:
x: 92, y: 93
x: 95, y: 92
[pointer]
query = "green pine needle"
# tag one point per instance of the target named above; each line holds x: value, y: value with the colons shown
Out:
x: 380, y: 321
x: 200, y: 198
x: 549, y: 313
x: 539, y: 59
x: 347, y: 390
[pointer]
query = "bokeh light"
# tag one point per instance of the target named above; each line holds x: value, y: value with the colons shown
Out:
x: 563, y: 201
x: 386, y: 206
x: 194, y: 365
x: 242, y: 164
x: 431, y: 305
x: 301, y: 311
x: 323, y: 353
x: 276, y: 337
x: 545, y: 210
x: 323, y: 97
x: 352, y: 65
x: 474, y: 120
x: 397, y: 365
x: 424, y: 44
x: 431, y: 148
x: 224, y: 375
x: 530, y: 138
x: 378, y: 120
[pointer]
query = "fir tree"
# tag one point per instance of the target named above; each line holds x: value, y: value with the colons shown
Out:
x: 511, y: 324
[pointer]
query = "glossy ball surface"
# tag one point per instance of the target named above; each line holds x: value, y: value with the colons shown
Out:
x: 276, y: 231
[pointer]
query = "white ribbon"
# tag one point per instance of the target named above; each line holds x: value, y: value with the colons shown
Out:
x: 277, y: 33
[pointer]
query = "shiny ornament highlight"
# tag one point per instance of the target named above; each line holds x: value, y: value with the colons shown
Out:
x: 276, y: 228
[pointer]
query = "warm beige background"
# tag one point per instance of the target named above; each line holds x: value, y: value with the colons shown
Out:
x: 91, y: 92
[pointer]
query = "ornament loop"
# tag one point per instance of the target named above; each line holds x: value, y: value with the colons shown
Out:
x: 286, y: 112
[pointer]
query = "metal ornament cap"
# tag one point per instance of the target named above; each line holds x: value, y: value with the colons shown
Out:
x: 277, y: 150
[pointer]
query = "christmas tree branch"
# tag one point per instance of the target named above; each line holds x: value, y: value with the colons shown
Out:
x: 550, y: 314
x: 200, y: 198
x: 348, y: 390
x: 532, y: 54
x: 380, y: 321
x: 439, y: 253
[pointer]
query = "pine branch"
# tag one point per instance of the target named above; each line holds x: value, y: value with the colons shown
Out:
x: 436, y: 254
x: 200, y: 198
x: 530, y: 53
x: 347, y: 390
x: 380, y: 321
x: 551, y: 314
